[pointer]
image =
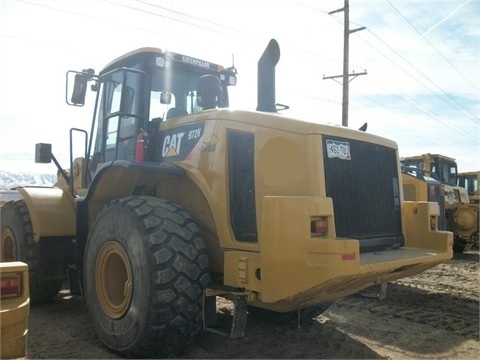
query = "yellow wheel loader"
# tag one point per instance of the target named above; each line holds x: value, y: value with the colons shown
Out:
x: 460, y: 214
x: 470, y: 181
x: 179, y: 200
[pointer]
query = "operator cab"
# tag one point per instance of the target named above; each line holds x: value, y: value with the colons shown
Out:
x: 441, y: 168
x: 141, y: 89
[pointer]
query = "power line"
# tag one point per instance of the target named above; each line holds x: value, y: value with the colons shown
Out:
x: 413, y: 134
x: 90, y: 17
x: 465, y: 110
x: 217, y: 27
x: 423, y: 106
x: 443, y: 56
x: 213, y: 29
x: 416, y: 79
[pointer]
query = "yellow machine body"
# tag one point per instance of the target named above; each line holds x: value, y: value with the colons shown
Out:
x: 14, y: 309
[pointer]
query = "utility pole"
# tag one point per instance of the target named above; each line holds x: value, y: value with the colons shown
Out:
x: 345, y: 75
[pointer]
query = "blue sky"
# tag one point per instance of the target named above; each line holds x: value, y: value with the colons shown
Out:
x: 422, y: 60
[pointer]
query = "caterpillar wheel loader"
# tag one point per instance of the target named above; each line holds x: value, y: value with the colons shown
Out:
x: 460, y: 215
x: 470, y: 181
x: 179, y: 200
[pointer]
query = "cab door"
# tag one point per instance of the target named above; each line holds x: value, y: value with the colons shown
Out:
x: 122, y: 115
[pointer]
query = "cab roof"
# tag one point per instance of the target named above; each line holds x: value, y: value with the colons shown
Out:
x: 167, y: 55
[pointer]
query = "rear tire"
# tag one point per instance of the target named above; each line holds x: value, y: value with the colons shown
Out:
x: 145, y: 271
x: 459, y: 245
x: 17, y: 244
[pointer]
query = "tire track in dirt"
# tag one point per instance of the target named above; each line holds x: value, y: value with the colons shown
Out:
x: 433, y: 315
x: 446, y: 317
x: 450, y: 303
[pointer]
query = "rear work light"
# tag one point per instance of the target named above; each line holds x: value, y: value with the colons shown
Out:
x: 319, y: 226
x: 160, y: 61
x: 10, y: 286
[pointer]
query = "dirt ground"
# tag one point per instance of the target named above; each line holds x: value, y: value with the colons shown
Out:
x: 434, y: 315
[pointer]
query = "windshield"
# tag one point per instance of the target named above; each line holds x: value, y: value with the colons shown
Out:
x: 172, y: 95
x: 446, y: 171
x: 173, y: 86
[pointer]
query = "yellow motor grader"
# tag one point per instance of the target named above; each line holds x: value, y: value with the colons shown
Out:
x: 180, y: 199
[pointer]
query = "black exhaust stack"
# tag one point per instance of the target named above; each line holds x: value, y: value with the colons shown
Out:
x: 266, y: 77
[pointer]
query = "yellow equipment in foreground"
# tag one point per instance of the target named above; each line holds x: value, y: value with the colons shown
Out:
x: 14, y: 309
x: 179, y: 199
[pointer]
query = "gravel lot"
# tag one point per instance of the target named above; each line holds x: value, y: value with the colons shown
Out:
x: 434, y: 315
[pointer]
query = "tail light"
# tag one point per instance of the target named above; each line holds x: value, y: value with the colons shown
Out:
x: 433, y: 222
x: 11, y: 286
x: 319, y: 226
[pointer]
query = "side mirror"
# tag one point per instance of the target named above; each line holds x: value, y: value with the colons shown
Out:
x: 43, y: 153
x: 79, y: 86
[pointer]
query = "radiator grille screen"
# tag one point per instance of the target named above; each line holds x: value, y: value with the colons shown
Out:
x: 362, y: 180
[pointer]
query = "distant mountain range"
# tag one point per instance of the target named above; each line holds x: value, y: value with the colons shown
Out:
x: 10, y: 180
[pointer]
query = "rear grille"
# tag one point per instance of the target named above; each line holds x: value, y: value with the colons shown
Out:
x: 362, y: 180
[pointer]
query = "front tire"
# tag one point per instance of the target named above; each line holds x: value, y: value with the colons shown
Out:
x: 145, y: 271
x: 17, y: 244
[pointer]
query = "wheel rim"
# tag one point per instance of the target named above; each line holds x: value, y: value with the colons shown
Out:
x: 113, y: 280
x: 8, y: 247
